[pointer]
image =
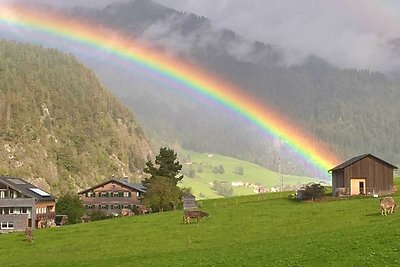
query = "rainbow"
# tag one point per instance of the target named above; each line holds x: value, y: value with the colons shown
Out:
x: 191, y: 77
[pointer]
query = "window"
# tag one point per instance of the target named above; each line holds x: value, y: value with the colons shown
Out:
x: 127, y: 194
x: 7, y: 225
x: 104, y: 194
x: 40, y: 210
x: 2, y: 193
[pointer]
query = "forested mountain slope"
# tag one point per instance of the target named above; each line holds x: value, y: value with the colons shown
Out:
x: 353, y: 111
x: 59, y: 128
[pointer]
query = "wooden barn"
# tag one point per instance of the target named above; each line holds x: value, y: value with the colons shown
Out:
x: 363, y: 175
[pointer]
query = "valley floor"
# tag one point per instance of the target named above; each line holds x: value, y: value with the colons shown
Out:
x: 257, y: 230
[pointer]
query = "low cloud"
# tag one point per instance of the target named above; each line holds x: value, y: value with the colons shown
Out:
x: 347, y: 33
x: 169, y: 35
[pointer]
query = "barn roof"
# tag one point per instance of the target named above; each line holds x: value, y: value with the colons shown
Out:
x: 358, y: 158
x: 26, y: 188
x: 188, y: 196
x: 137, y: 187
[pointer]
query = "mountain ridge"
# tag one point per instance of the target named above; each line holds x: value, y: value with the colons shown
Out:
x: 339, y: 107
x: 324, y: 99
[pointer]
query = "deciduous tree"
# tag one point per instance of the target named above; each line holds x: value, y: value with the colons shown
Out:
x: 70, y: 205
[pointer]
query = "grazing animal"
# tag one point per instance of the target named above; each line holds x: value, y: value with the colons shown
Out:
x: 41, y: 224
x: 193, y: 214
x: 142, y: 209
x: 126, y: 212
x: 50, y: 223
x: 387, y: 205
x: 28, y: 234
x: 86, y: 218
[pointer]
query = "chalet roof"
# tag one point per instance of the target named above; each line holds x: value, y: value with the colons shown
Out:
x: 26, y: 188
x: 137, y: 187
x: 358, y: 158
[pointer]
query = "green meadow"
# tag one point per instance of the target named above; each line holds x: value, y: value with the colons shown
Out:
x: 203, y: 165
x: 257, y: 230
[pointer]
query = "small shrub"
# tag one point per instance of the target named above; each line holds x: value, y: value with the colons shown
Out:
x: 98, y: 215
x: 313, y: 191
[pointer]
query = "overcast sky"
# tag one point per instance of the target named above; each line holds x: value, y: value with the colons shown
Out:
x: 348, y: 33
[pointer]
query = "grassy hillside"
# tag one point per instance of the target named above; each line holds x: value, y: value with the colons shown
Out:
x: 202, y: 165
x: 267, y: 230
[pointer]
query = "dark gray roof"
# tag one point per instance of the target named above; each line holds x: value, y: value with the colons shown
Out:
x: 355, y: 159
x: 137, y: 187
x: 26, y: 188
x: 188, y: 196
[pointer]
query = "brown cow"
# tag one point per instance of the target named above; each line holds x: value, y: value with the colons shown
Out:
x: 387, y: 205
x: 193, y: 214
x: 86, y: 218
x: 142, y: 209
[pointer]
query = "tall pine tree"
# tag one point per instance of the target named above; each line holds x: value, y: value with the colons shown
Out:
x: 162, y: 190
x: 167, y: 166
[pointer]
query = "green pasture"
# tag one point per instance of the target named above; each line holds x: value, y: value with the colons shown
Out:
x: 253, y: 173
x: 256, y: 230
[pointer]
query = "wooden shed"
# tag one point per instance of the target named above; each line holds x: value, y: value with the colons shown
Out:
x: 189, y: 201
x: 363, y: 175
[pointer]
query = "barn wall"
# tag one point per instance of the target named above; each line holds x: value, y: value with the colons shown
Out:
x: 337, y: 181
x: 378, y: 175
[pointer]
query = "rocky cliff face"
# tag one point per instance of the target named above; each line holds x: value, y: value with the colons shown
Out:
x: 59, y: 128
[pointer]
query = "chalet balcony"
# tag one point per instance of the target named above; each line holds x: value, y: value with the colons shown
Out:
x: 46, y: 216
x: 110, y: 200
x: 17, y: 202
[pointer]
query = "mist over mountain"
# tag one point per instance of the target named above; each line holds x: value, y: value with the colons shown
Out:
x: 351, y: 110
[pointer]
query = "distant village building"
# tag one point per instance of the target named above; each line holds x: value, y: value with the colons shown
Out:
x: 112, y: 196
x: 189, y: 201
x: 363, y: 175
x: 238, y: 183
x: 24, y: 205
x: 261, y: 189
x: 274, y: 189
